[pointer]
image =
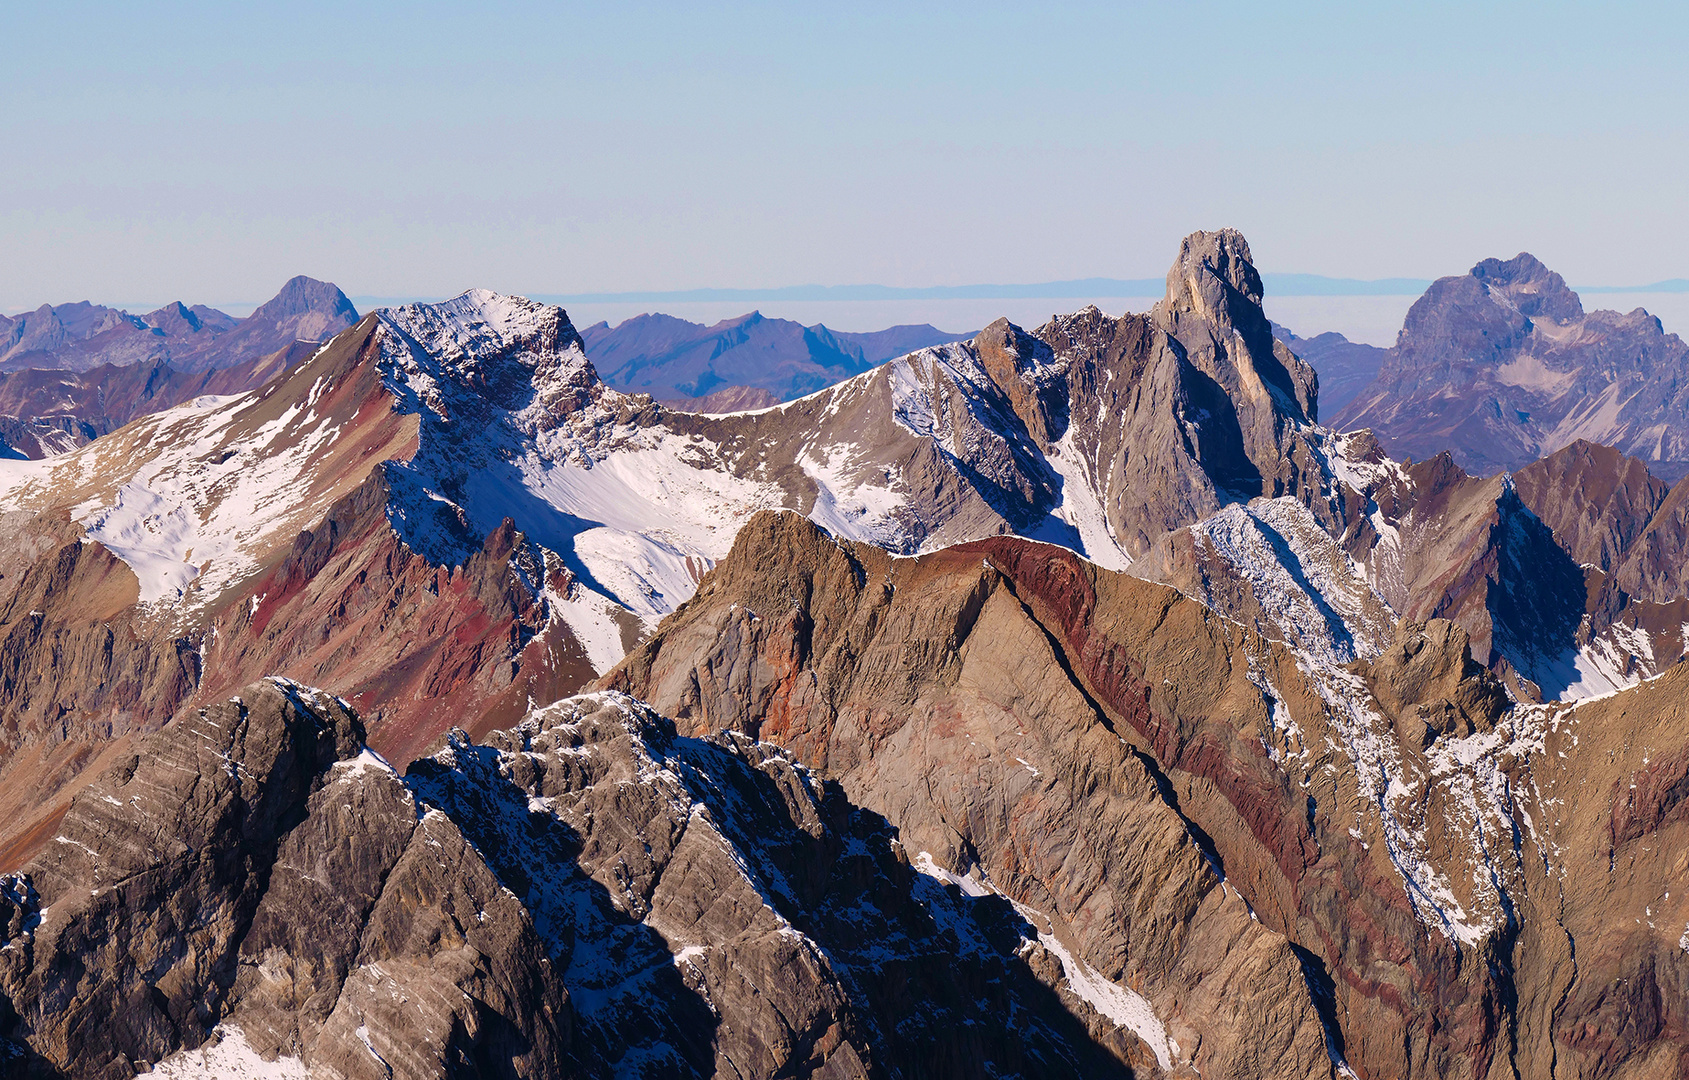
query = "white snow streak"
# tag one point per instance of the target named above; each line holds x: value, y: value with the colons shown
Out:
x: 230, y: 1058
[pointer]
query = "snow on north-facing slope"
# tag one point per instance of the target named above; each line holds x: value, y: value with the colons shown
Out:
x: 1082, y: 508
x: 518, y: 426
x: 230, y: 1057
x: 1311, y: 592
x: 510, y: 420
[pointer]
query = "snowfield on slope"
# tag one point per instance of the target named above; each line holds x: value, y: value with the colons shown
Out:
x: 182, y: 497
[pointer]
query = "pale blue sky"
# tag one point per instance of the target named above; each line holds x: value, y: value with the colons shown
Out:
x: 209, y: 152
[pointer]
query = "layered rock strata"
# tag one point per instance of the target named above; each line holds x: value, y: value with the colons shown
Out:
x: 588, y: 894
x: 1392, y: 818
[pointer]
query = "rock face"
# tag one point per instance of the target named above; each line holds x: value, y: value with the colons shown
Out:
x: 309, y: 579
x: 1388, y: 819
x: 83, y: 336
x: 1234, y: 760
x: 131, y: 920
x: 588, y: 895
x: 346, y: 524
x: 1502, y: 366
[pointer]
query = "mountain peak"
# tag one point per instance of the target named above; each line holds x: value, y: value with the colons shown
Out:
x: 174, y: 316
x: 506, y: 350
x: 1213, y: 309
x: 305, y: 295
x: 1206, y: 261
x: 1532, y: 287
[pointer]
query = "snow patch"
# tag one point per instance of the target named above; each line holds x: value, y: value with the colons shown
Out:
x: 846, y: 504
x: 229, y: 1057
x: 1124, y: 1007
x: 1081, y: 505
x: 1317, y: 599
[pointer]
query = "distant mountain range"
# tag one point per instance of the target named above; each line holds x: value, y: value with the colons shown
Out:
x: 73, y: 372
x: 83, y: 335
x: 70, y: 373
x: 1063, y: 702
x: 1093, y: 287
x: 1345, y: 367
x: 48, y: 411
x: 682, y: 363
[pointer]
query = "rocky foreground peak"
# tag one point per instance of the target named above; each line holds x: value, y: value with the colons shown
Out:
x: 1434, y: 853
x: 586, y: 894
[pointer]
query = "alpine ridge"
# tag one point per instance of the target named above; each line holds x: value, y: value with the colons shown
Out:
x: 1058, y: 702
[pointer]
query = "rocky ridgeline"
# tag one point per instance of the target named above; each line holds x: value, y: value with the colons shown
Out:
x: 588, y: 894
x: 1459, y: 885
x: 1242, y: 758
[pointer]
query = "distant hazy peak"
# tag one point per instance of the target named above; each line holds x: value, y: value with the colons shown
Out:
x: 1532, y: 287
x: 303, y: 295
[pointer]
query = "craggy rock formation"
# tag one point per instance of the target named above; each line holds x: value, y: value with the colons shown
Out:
x: 1280, y: 798
x: 1597, y: 501
x: 1388, y: 818
x: 588, y: 895
x: 1502, y: 366
x: 345, y: 524
x: 936, y: 698
x: 318, y: 586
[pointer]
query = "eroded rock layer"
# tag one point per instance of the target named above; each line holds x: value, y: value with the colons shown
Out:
x: 1255, y: 753
x: 588, y: 894
x: 1400, y: 821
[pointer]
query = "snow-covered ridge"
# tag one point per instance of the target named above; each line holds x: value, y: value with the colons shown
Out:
x: 193, y: 498
x: 637, y: 504
x: 508, y: 350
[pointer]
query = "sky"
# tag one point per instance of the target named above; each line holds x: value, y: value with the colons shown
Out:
x: 209, y: 152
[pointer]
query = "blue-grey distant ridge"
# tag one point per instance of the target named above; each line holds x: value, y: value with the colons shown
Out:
x: 1277, y: 285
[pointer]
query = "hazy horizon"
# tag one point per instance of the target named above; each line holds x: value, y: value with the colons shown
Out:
x: 207, y: 152
x: 1370, y: 319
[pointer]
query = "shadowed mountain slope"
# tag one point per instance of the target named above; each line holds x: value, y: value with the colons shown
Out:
x: 1230, y: 742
